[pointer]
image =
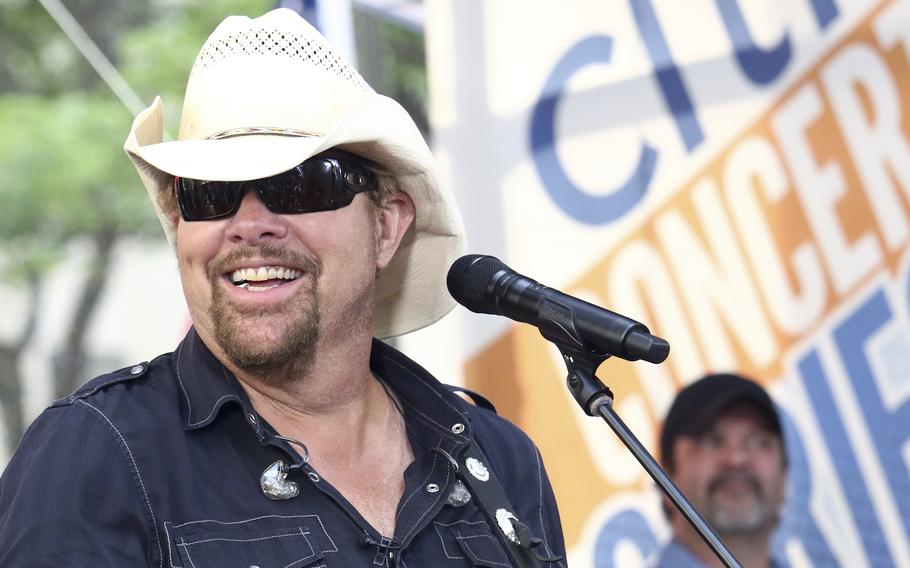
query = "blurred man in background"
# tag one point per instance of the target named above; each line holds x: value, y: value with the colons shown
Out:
x: 308, y: 220
x: 722, y: 444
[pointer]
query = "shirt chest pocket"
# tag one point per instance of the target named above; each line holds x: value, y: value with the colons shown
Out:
x: 473, y: 544
x: 298, y: 541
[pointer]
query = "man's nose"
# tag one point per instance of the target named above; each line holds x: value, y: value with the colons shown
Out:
x: 736, y: 454
x: 253, y: 223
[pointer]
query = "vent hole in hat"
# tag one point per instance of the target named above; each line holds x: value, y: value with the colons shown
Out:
x: 277, y: 43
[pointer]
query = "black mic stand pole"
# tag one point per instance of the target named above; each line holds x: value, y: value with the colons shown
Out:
x: 596, y: 399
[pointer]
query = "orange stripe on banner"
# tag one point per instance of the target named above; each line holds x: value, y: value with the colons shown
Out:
x: 748, y: 257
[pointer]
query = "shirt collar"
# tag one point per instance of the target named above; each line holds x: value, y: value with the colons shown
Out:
x: 206, y: 386
x: 427, y: 402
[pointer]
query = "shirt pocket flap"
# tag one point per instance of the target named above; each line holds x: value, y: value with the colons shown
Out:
x: 266, y: 542
x: 472, y: 541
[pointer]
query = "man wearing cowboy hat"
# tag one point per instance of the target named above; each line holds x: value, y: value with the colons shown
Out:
x: 307, y: 219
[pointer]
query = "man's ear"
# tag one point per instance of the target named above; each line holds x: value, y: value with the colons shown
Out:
x: 393, y: 219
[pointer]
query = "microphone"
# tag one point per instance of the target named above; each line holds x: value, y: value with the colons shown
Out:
x: 484, y: 284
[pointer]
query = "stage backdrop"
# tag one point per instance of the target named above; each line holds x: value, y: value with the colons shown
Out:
x: 735, y: 175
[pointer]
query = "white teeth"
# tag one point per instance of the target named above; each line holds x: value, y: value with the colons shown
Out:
x: 246, y: 286
x: 264, y: 273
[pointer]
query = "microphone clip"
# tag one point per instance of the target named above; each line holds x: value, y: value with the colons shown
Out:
x: 589, y: 392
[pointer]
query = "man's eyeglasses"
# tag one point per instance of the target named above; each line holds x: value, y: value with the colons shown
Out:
x: 322, y: 183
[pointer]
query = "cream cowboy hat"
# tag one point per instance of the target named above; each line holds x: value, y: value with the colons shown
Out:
x: 264, y: 95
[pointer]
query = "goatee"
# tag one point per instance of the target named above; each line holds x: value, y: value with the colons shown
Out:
x: 738, y: 518
x: 273, y: 342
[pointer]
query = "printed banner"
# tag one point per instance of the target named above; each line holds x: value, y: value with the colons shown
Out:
x: 734, y: 174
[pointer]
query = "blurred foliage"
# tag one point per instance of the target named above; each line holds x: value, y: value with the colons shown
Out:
x: 392, y: 59
x: 404, y: 68
x: 157, y: 58
x: 36, y: 57
x: 63, y: 173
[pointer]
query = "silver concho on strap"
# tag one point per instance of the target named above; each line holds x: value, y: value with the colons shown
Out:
x: 504, y: 520
x: 274, y: 482
x: 477, y: 469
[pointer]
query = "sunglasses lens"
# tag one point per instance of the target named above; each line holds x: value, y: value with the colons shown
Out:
x: 308, y: 188
x: 200, y: 199
x: 319, y: 184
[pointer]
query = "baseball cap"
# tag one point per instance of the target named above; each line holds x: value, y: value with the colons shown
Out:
x: 698, y: 405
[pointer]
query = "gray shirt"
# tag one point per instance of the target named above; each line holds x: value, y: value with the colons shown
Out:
x: 678, y: 555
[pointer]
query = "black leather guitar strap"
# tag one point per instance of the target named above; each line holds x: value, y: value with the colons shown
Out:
x: 524, y: 550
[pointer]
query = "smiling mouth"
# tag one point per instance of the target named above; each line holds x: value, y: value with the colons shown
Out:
x: 263, y: 278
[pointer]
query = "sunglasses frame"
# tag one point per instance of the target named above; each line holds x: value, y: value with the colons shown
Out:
x: 345, y: 168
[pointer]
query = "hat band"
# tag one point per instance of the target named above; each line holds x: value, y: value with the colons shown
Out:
x: 254, y: 130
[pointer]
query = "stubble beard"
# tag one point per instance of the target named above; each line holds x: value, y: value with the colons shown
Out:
x: 739, y: 518
x: 273, y: 343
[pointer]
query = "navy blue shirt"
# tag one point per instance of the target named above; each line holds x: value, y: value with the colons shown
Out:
x: 159, y: 465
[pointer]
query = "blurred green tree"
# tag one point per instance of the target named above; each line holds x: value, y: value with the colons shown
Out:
x: 63, y: 174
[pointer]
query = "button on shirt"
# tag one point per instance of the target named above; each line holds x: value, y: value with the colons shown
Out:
x: 159, y: 465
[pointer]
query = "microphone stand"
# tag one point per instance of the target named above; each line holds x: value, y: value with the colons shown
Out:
x: 596, y: 399
x: 484, y: 284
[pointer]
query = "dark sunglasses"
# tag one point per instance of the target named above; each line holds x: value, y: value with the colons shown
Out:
x: 322, y: 183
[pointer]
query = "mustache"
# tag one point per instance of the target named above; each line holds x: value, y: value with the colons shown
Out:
x: 220, y: 265
x: 737, y: 476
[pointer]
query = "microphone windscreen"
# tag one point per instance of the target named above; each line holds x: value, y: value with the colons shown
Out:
x: 470, y: 276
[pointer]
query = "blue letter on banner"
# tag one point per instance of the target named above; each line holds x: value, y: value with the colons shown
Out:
x: 668, y: 77
x: 570, y: 198
x: 825, y: 12
x: 760, y: 66
x: 628, y: 525
x: 796, y: 521
x: 889, y: 426
x: 851, y: 478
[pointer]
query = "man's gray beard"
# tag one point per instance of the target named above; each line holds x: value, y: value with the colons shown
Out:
x: 730, y: 519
